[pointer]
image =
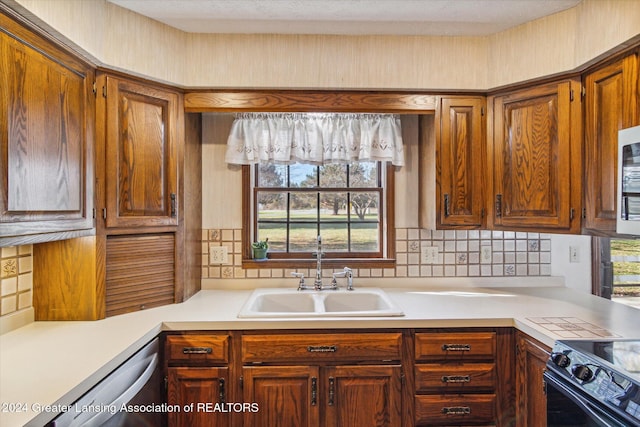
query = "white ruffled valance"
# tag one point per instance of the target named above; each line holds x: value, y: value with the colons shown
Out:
x: 315, y: 138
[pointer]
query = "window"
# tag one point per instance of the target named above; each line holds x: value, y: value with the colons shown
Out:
x: 349, y: 205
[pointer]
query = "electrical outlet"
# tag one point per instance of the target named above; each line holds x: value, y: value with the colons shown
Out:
x: 218, y: 255
x: 485, y: 254
x: 429, y: 254
x: 574, y: 254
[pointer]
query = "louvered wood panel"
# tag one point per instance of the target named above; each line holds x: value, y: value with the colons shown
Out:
x: 140, y: 272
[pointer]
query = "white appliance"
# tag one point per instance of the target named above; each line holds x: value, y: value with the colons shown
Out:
x: 628, y: 215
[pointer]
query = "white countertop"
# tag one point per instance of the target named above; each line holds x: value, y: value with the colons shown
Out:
x: 46, y: 363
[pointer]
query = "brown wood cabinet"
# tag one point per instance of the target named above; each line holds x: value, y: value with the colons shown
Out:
x: 46, y: 139
x: 460, y: 162
x: 531, y: 400
x: 455, y: 378
x: 198, y: 374
x: 146, y: 246
x: 535, y: 159
x: 611, y: 103
x: 322, y: 379
x: 142, y: 130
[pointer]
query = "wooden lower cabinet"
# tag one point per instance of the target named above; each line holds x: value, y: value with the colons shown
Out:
x: 306, y: 396
x: 205, y: 389
x: 342, y: 379
x: 531, y: 399
x: 285, y: 395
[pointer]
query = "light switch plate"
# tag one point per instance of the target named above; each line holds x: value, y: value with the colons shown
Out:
x: 429, y: 254
x: 485, y: 254
x: 218, y: 255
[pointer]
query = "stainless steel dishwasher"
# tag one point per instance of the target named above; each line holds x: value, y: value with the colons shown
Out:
x: 137, y: 384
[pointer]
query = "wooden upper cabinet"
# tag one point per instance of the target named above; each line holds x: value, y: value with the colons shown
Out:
x: 141, y: 125
x: 46, y: 138
x: 611, y: 104
x: 536, y: 159
x: 460, y: 154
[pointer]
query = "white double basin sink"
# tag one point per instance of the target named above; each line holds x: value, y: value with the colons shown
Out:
x: 361, y: 302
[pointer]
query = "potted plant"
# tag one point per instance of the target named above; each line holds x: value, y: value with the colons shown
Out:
x: 260, y: 249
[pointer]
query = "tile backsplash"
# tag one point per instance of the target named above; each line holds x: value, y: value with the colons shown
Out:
x: 16, y: 291
x: 449, y: 253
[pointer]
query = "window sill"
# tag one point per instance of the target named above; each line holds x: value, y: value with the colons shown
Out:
x: 326, y: 263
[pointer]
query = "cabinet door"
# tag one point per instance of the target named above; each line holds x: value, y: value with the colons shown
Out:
x: 531, y: 400
x: 205, y: 388
x: 46, y: 134
x: 287, y: 396
x: 141, y: 155
x: 611, y: 104
x: 362, y: 396
x: 537, y: 159
x: 460, y: 155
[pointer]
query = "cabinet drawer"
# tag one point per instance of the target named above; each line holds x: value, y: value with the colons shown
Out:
x: 455, y: 346
x: 197, y: 349
x: 456, y: 410
x: 458, y: 378
x: 319, y: 347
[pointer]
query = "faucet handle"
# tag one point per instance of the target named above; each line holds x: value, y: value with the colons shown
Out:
x: 301, y: 285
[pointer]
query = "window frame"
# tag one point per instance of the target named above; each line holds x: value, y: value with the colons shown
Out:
x: 383, y: 259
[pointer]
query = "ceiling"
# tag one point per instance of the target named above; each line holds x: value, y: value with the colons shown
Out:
x: 352, y: 17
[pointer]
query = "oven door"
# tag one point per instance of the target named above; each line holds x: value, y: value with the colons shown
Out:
x: 569, y: 407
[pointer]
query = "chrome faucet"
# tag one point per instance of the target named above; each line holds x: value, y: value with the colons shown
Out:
x: 317, y: 284
x: 348, y: 273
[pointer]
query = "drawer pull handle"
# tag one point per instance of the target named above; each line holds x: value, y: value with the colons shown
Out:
x: 322, y: 348
x: 456, y: 378
x: 456, y: 410
x: 197, y: 350
x: 456, y: 347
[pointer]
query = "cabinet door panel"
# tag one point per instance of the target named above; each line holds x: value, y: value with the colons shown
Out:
x: 611, y: 104
x: 45, y: 150
x: 461, y: 162
x: 531, y: 400
x: 198, y: 386
x: 287, y: 396
x: 141, y: 154
x: 536, y: 158
x: 362, y: 396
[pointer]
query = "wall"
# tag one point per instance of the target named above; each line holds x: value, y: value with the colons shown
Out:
x: 549, y: 45
x: 512, y: 254
x: 16, y: 290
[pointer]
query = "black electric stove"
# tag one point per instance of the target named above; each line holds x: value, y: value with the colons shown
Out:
x: 605, y: 373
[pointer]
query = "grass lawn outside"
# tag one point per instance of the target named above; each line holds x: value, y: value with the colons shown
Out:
x: 629, y: 248
x: 333, y: 229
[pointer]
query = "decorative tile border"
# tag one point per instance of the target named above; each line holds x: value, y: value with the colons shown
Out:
x: 460, y: 253
x: 16, y: 279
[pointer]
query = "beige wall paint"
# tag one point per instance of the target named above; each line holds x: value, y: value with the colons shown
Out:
x: 553, y: 44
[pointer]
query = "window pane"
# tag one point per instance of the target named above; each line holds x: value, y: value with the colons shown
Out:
x: 276, y: 233
x: 304, y: 207
x: 333, y: 176
x: 272, y: 175
x: 363, y: 174
x: 272, y: 205
x: 303, y: 176
x: 364, y: 206
x: 335, y: 237
x: 333, y: 206
x: 302, y: 237
x: 364, y: 237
